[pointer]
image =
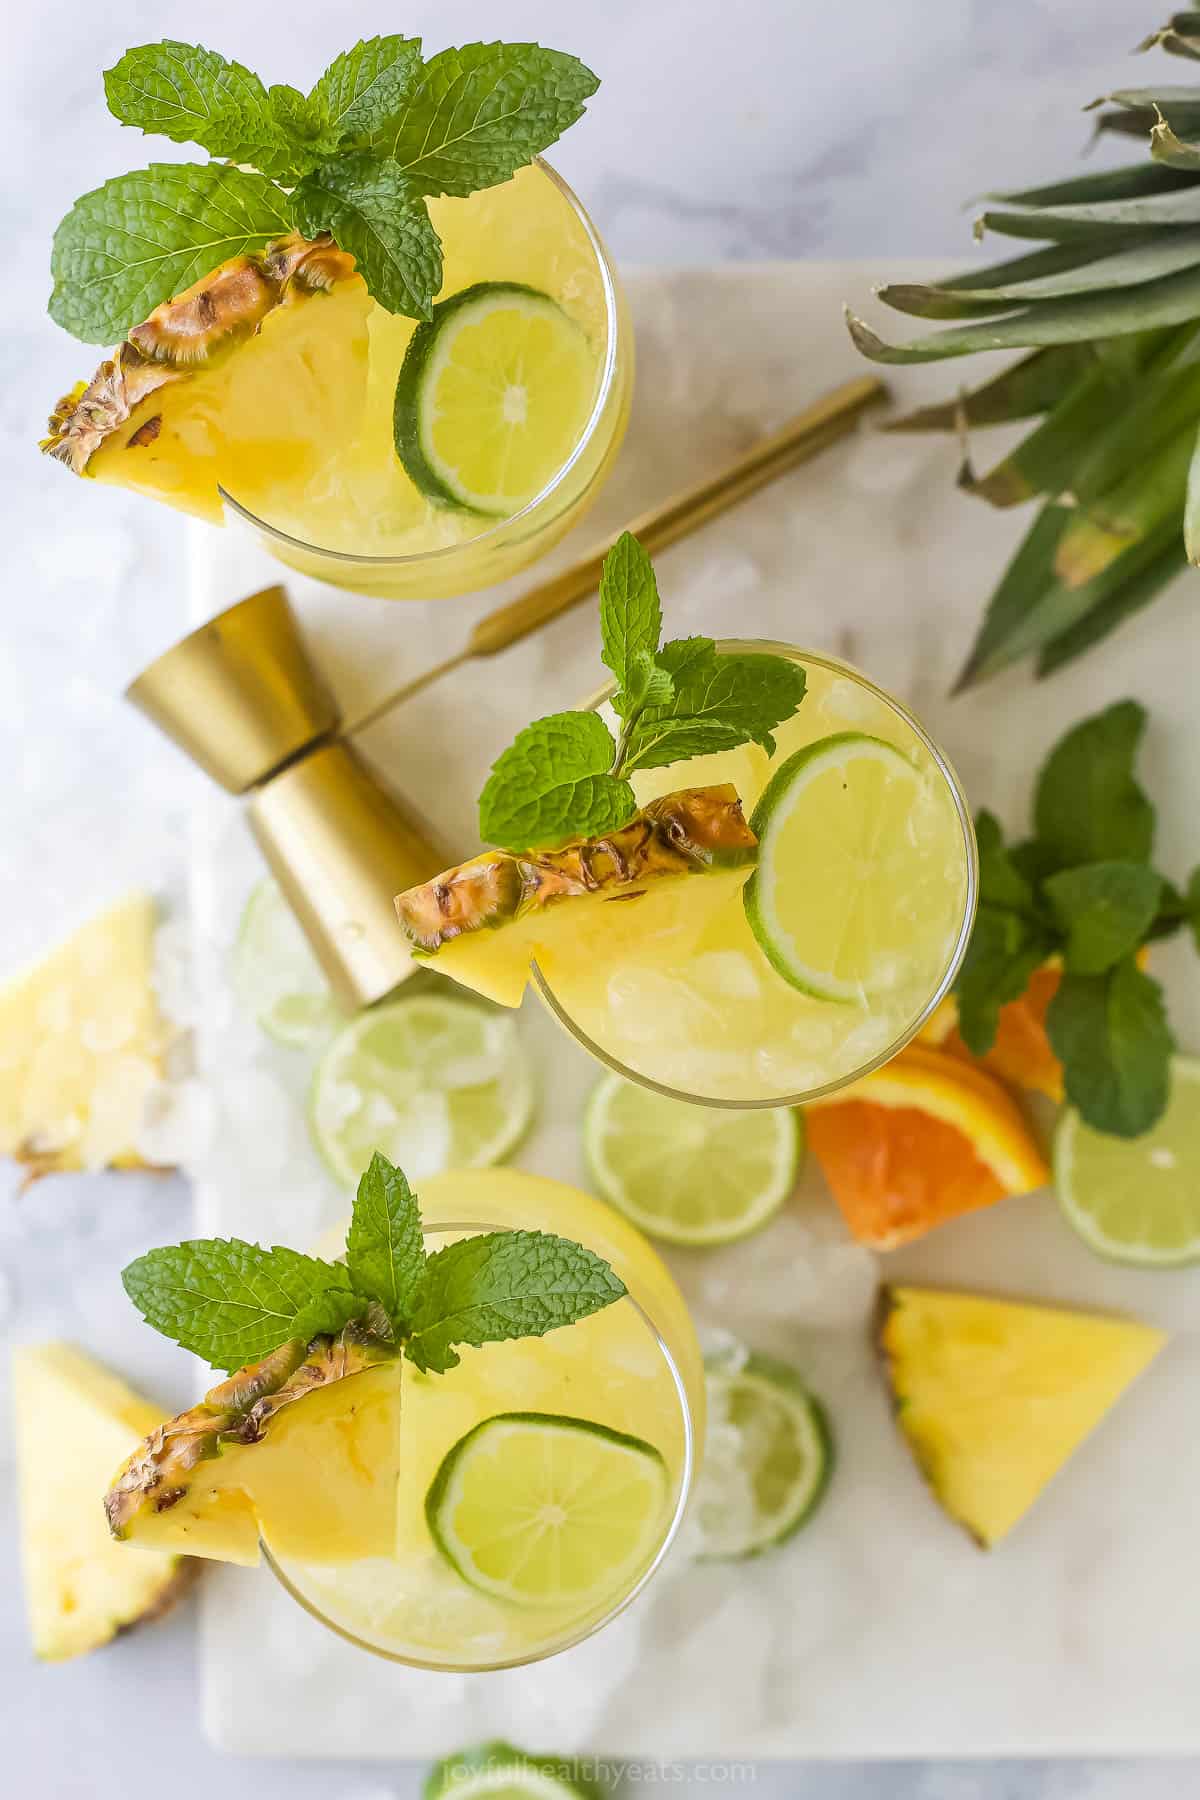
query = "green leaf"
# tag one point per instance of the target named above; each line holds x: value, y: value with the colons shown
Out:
x: 1033, y: 385
x: 192, y: 95
x: 1001, y: 883
x: 1111, y: 1035
x: 385, y: 1251
x: 229, y: 1301
x: 375, y: 213
x: 553, y: 783
x: 1091, y: 267
x: 506, y: 1284
x: 304, y: 125
x: 1045, y: 461
x: 364, y: 88
x: 630, y: 609
x: 1127, y: 597
x: 647, y: 683
x: 479, y: 114
x: 718, y: 703
x: 330, y: 1312
x: 1173, y: 300
x: 1146, y: 212
x: 1191, y: 507
x: 1132, y: 182
x: 1150, y: 496
x: 1106, y: 910
x: 138, y: 240
x: 1007, y: 631
x: 1088, y: 807
x: 1003, y: 953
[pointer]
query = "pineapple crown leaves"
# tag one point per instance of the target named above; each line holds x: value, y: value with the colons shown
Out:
x: 1082, y: 889
x: 232, y: 1302
x: 358, y: 157
x: 1105, y: 300
x: 567, y: 776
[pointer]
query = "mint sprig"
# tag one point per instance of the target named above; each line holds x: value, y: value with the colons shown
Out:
x: 379, y: 132
x: 566, y: 776
x: 1082, y: 888
x: 232, y: 1302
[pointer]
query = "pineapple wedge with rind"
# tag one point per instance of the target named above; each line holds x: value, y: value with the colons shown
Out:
x: 247, y: 382
x: 994, y: 1396
x: 486, y: 921
x: 81, y: 1046
x: 73, y: 1421
x: 300, y: 1451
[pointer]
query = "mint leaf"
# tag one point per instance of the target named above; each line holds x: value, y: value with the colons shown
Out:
x: 1106, y: 909
x: 1088, y: 807
x: 1111, y: 1035
x: 630, y: 615
x: 506, y: 1284
x: 364, y: 88
x: 228, y: 1301
x: 479, y: 114
x: 385, y: 1252
x: 302, y: 122
x: 718, y: 702
x: 1001, y: 882
x: 1003, y: 953
x: 646, y: 684
x: 330, y: 1312
x: 553, y: 783
x: 136, y: 241
x: 375, y: 213
x: 192, y: 95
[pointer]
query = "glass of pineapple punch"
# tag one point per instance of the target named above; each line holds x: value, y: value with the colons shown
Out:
x: 473, y: 1474
x: 872, y: 897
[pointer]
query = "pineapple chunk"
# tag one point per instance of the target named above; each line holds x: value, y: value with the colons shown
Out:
x: 74, y: 1421
x: 994, y: 1396
x: 80, y: 1046
x: 300, y: 1450
x: 486, y: 921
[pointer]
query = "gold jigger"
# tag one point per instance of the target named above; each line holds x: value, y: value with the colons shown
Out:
x: 242, y: 698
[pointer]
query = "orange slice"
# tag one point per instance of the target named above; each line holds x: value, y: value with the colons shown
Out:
x: 923, y: 1140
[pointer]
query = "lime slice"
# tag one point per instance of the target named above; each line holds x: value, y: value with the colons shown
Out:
x: 767, y: 1458
x: 838, y: 899
x: 276, y: 978
x: 1137, y: 1200
x: 689, y: 1174
x: 494, y: 394
x: 542, y: 1510
x: 435, y: 1084
x: 501, y: 1772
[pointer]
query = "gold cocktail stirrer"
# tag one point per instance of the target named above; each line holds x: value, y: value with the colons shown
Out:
x: 819, y: 425
x: 242, y: 696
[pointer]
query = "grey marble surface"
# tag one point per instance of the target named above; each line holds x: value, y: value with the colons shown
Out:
x: 776, y: 128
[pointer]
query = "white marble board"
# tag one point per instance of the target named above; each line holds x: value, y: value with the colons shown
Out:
x: 880, y: 1631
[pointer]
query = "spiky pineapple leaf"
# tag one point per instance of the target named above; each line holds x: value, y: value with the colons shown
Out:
x: 1171, y: 301
x: 1180, y: 36
x: 1046, y: 460
x: 1131, y: 182
x: 1150, y: 495
x: 1088, y: 269
x: 143, y: 237
x: 480, y: 113
x: 1128, y: 598
x: 1033, y: 385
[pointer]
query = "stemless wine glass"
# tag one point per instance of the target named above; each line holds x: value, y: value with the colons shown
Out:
x: 688, y: 1003
x: 597, y: 1426
x: 363, y: 524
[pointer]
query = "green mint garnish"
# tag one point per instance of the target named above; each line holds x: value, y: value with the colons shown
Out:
x: 143, y: 237
x: 1082, y: 889
x: 380, y: 131
x: 567, y: 776
x: 508, y: 1284
x: 233, y: 1303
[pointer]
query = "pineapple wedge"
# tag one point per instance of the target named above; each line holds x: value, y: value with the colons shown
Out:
x: 80, y: 1590
x: 487, y: 920
x: 994, y: 1396
x: 300, y: 1451
x: 247, y: 381
x: 80, y: 1046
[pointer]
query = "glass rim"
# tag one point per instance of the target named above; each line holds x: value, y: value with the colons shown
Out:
x: 445, y: 553
x: 837, y: 665
x: 570, y: 1637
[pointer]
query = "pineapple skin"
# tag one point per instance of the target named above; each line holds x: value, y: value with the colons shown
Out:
x: 300, y: 1449
x: 1022, y: 1437
x: 81, y: 1592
